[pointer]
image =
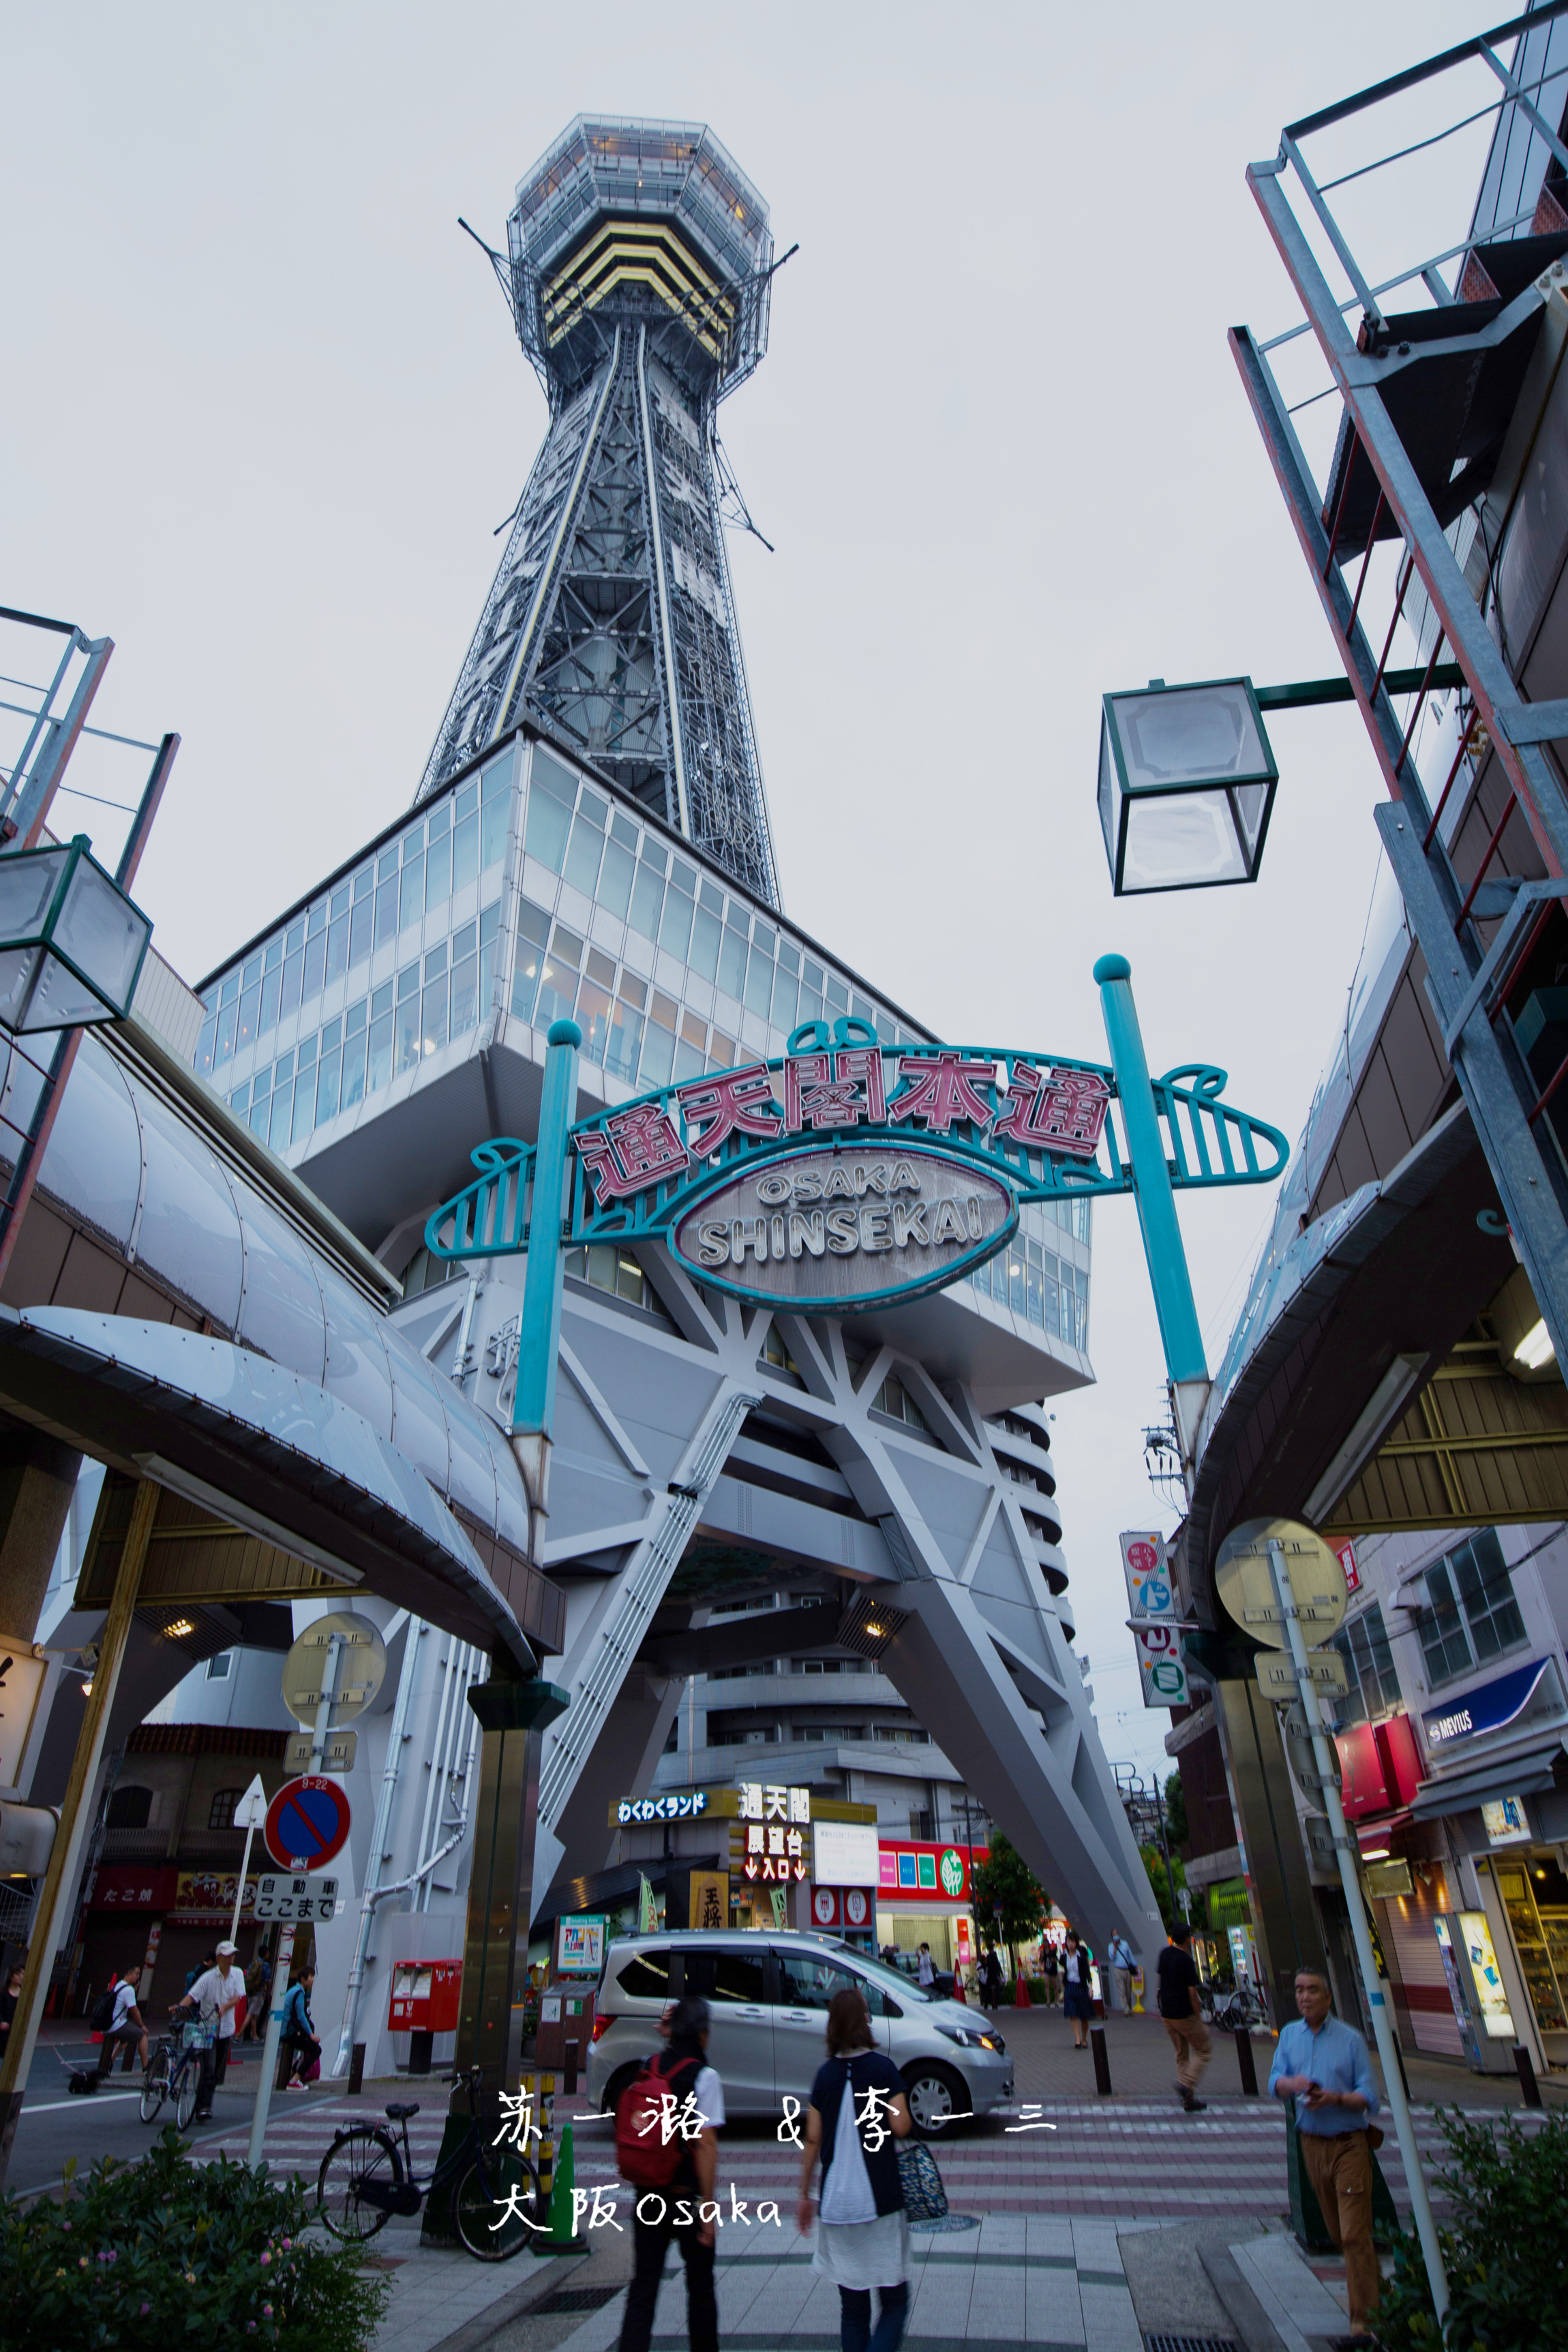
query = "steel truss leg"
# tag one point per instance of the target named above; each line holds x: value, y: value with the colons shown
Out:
x: 1499, y: 1089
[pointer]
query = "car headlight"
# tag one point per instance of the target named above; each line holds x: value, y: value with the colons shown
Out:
x: 967, y: 2038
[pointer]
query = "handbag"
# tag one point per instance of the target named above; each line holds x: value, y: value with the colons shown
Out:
x: 925, y: 2198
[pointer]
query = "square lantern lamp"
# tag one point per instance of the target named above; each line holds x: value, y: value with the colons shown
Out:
x: 1187, y: 785
x: 71, y: 943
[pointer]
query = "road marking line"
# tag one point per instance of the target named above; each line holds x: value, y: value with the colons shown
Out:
x: 104, y: 2098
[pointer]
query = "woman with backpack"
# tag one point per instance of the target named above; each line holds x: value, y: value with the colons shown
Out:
x: 856, y: 2113
x: 666, y: 2146
x: 300, y: 2032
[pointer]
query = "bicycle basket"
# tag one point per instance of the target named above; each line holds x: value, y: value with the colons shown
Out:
x: 197, y: 2036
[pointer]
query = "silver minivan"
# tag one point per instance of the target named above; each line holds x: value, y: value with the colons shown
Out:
x: 768, y: 1994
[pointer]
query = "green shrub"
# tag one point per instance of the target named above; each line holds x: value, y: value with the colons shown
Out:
x: 1503, y: 2251
x: 164, y: 2252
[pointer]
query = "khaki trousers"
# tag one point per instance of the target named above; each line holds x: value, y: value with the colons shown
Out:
x: 1190, y: 2040
x: 1340, y: 2170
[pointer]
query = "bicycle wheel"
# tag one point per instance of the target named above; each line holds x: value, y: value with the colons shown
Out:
x: 363, y: 2155
x: 155, y: 2084
x: 187, y: 2090
x: 485, y: 2208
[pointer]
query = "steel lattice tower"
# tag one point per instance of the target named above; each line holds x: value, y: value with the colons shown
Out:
x: 638, y: 272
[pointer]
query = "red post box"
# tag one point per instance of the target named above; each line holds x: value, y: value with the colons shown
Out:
x: 424, y: 2003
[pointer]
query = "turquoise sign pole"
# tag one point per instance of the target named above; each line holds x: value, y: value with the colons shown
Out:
x: 1179, y: 1332
x: 539, y: 1339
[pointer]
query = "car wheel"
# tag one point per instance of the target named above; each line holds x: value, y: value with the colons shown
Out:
x: 620, y: 2083
x: 937, y: 2097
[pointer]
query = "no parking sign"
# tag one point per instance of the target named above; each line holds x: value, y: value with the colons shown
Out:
x: 307, y: 1822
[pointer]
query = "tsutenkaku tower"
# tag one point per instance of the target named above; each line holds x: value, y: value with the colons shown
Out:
x: 638, y: 272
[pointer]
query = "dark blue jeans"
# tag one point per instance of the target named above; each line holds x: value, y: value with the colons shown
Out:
x: 855, y: 2331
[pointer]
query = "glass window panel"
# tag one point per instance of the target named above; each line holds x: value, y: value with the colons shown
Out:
x: 495, y: 823
x: 438, y: 872
x: 525, y: 978
x: 760, y: 982
x: 489, y: 932
x: 315, y: 964
x: 712, y: 896
x: 317, y: 920
x: 810, y: 1006
x: 386, y: 864
x: 787, y: 992
x: 435, y: 1015
x: 465, y: 850
x: 361, y: 927
x: 327, y: 1075
x: 364, y: 884
x: 615, y: 880
x: 206, y: 1044
x: 338, y: 948
x: 838, y: 995
x: 863, y: 1011
x: 304, y: 1106
x: 467, y: 800
x: 408, y: 1030
x: 594, y: 807
x: 378, y: 1062
x: 812, y: 975
x: 652, y: 854
x: 249, y: 1003
x: 595, y: 1007
x: 226, y: 1018
x: 624, y: 1038
x: 1442, y: 1631
x: 440, y: 822
x: 623, y: 830
x: 339, y: 902
x: 732, y: 974
x: 496, y: 780
x: 704, y: 952
x: 260, y: 1116
x: 557, y: 991
x: 789, y: 957
x: 353, y: 1060
x: 274, y: 955
x: 690, y: 1062
x: 282, y: 1112
x: 583, y: 856
x: 658, y: 1043
x: 683, y: 878
x: 550, y: 796
x: 674, y: 930
x: 1487, y: 1591
x: 721, y: 1052
x: 240, y: 1098
x: 411, y: 897
x: 1051, y: 1286
x: 386, y: 912
x: 647, y: 897
x: 1036, y: 1291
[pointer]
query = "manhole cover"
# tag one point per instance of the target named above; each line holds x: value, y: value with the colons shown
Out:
x: 577, y: 2298
x: 949, y: 2221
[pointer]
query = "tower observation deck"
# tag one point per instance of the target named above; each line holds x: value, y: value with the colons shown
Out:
x: 639, y: 271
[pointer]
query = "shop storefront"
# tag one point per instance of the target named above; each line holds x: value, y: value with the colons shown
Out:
x: 925, y: 1896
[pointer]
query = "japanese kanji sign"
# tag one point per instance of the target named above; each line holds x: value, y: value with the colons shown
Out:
x: 847, y: 1172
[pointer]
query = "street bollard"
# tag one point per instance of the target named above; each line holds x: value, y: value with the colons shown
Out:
x: 357, y: 2069
x: 573, y: 2049
x: 1524, y: 2069
x: 1101, y: 2063
x: 1244, y: 2061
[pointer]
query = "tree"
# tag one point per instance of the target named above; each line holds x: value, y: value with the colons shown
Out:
x: 1176, y: 1828
x: 1008, y: 1898
x: 1165, y: 1893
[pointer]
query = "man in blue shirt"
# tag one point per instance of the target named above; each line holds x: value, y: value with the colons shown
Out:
x: 1322, y: 2065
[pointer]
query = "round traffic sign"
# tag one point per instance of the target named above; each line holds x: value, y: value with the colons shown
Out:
x: 1244, y: 1578
x: 358, y: 1675
x: 307, y: 1822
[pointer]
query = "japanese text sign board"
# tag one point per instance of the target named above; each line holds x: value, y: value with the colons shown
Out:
x: 580, y: 1946
x: 1161, y: 1671
x: 294, y: 1896
x: 1150, y: 1594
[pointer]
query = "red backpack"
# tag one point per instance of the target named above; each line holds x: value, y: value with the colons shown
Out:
x: 644, y: 2156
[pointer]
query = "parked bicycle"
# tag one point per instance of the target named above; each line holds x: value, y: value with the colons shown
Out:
x: 175, y: 2072
x: 366, y: 2176
x: 1238, y: 2012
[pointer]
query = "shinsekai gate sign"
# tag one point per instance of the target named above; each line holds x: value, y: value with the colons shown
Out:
x: 847, y: 1175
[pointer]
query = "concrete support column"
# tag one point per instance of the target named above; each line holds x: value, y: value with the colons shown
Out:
x: 1274, y: 1862
x: 37, y: 1479
x: 60, y: 1876
x: 511, y: 1714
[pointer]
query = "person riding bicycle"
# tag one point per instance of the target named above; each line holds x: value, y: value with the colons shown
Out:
x: 126, y: 2026
x: 300, y: 2032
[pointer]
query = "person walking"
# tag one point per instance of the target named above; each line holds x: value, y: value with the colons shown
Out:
x: 125, y: 2025
x: 925, y: 1970
x: 1181, y: 2015
x: 1120, y: 1959
x: 698, y: 2112
x: 857, y: 2112
x: 259, y: 1986
x: 215, y: 1996
x: 1078, y: 1996
x: 300, y: 2032
x: 991, y: 1980
x: 1051, y: 1970
x: 1322, y: 2065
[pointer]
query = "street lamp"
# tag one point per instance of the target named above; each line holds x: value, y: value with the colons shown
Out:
x: 71, y: 943
x: 1187, y: 785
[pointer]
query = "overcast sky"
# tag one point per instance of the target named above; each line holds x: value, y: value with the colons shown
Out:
x: 263, y: 407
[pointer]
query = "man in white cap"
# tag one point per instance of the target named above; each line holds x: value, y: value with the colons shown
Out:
x: 216, y: 1996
